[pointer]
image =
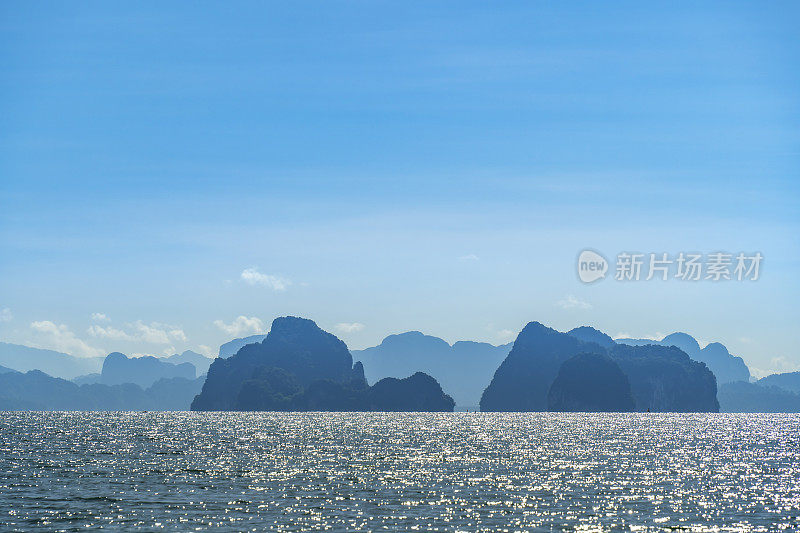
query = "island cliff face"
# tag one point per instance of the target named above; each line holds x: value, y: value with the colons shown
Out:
x: 659, y: 378
x: 665, y: 379
x: 590, y: 383
x: 300, y: 367
x: 522, y: 381
x: 419, y: 392
x: 727, y: 368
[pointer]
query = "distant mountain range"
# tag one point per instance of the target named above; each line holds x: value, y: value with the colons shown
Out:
x: 35, y: 390
x: 581, y: 370
x: 143, y: 371
x: 464, y: 369
x: 231, y: 347
x: 200, y: 362
x: 777, y: 393
x: 86, y: 370
x: 25, y: 358
x: 743, y: 397
x: 789, y: 381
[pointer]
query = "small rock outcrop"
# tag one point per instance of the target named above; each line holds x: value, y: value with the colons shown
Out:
x: 463, y: 369
x: 419, y: 392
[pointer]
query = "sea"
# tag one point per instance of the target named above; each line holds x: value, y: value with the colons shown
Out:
x: 183, y: 471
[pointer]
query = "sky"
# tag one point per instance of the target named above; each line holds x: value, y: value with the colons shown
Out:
x: 174, y: 176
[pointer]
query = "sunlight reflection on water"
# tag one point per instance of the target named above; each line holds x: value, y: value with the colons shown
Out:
x: 365, y: 471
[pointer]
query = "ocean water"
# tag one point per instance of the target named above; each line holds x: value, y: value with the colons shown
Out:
x: 399, y: 471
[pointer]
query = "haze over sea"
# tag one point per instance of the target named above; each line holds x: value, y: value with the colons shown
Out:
x: 366, y: 471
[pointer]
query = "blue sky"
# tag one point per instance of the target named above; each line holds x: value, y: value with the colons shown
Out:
x: 381, y: 167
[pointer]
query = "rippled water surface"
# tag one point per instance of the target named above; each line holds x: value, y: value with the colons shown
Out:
x: 344, y: 471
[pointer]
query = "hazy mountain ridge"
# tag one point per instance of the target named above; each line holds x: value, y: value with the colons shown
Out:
x: 776, y: 393
x: 789, y: 381
x: 743, y: 397
x: 35, y: 390
x: 4, y: 369
x: 463, y: 369
x: 466, y: 368
x: 143, y: 371
x: 199, y: 361
x: 231, y: 347
x: 24, y: 358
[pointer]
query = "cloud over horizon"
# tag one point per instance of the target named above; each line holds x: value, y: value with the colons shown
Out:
x: 109, y: 332
x: 156, y: 333
x: 252, y: 276
x: 242, y: 325
x: 572, y: 302
x: 349, y: 327
x: 59, y: 337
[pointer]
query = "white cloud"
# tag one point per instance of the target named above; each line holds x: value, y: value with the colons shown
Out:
x: 241, y: 325
x: 571, y: 302
x: 178, y: 335
x: 777, y: 365
x: 206, y: 350
x: 153, y: 333
x: 657, y: 336
x: 156, y: 333
x: 100, y: 317
x: 349, y: 327
x: 59, y: 337
x: 782, y: 364
x: 506, y: 335
x: 469, y: 257
x: 6, y: 315
x: 109, y: 333
x: 252, y: 276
